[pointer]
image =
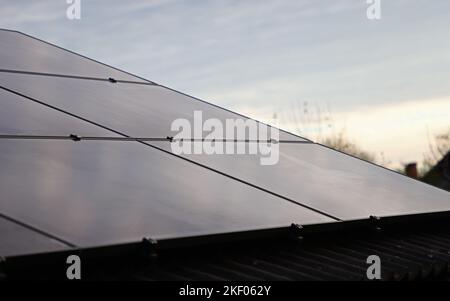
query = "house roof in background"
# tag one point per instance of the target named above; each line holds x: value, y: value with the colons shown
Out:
x: 439, y: 175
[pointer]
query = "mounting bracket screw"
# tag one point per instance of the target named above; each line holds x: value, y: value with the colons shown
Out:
x: 75, y: 137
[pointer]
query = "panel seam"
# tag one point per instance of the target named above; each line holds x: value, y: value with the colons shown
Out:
x: 37, y: 230
x: 77, y: 77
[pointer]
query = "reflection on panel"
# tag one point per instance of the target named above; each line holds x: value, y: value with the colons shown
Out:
x: 23, y: 53
x: 331, y: 182
x: 21, y: 116
x: 135, y: 110
x: 17, y: 240
x: 92, y: 193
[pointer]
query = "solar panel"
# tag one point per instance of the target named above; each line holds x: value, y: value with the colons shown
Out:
x: 21, y: 52
x: 331, y: 182
x: 135, y: 110
x: 16, y: 240
x: 93, y: 193
x: 21, y: 116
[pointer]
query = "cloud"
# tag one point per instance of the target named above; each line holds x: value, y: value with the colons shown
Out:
x: 17, y: 13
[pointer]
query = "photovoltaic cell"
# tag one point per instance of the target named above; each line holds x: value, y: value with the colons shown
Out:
x: 93, y: 193
x: 17, y: 240
x: 331, y: 182
x: 135, y: 110
x: 23, y: 53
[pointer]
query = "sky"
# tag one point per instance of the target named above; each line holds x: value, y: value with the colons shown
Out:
x: 384, y: 83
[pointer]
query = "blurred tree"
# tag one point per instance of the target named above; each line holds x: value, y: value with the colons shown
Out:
x: 438, y: 148
x: 341, y: 143
x: 316, y: 123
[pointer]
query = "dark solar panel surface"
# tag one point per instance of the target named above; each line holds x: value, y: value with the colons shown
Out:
x: 96, y: 193
x: 21, y: 116
x: 16, y: 239
x: 93, y: 193
x: 332, y: 182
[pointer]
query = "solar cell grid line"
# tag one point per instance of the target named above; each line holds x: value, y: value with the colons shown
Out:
x: 20, y: 51
x: 169, y: 152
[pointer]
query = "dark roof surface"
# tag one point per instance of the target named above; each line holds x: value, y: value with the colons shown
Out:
x: 417, y: 251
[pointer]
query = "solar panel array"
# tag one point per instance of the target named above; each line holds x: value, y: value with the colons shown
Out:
x: 60, y: 194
